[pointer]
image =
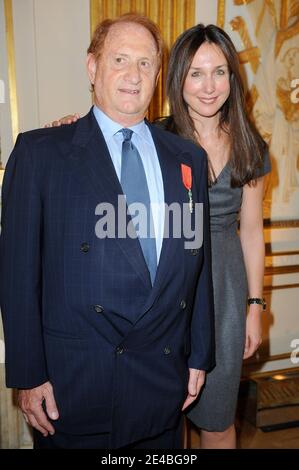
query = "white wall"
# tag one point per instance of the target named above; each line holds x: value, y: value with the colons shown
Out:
x: 206, y: 12
x: 51, y: 38
x: 6, y: 140
x: 62, y: 37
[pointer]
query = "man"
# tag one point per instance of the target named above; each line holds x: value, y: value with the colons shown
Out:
x: 97, y: 329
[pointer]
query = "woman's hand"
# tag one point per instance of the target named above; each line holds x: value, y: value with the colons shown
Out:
x: 253, y: 330
x: 69, y: 119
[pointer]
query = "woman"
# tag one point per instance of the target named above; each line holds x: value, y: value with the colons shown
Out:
x: 207, y: 106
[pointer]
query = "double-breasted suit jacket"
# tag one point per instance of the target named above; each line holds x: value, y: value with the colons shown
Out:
x: 80, y: 311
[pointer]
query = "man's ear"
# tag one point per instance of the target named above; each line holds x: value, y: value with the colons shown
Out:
x: 91, y: 65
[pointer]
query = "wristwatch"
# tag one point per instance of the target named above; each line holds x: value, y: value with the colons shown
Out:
x: 256, y: 300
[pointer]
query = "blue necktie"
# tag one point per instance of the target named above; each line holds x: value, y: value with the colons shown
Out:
x: 134, y: 185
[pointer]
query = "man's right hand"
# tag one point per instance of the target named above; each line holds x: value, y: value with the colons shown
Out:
x: 64, y: 120
x: 31, y: 404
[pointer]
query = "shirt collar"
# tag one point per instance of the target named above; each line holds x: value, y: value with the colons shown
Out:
x: 109, y: 127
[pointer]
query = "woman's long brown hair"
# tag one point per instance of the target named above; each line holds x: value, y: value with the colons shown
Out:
x: 247, y: 146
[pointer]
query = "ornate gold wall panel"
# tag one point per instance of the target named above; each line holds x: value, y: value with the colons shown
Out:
x: 273, y: 55
x: 269, y: 35
x: 251, y: 54
x: 284, y: 35
x: 172, y: 16
x: 11, y: 67
x: 221, y: 13
x: 241, y: 2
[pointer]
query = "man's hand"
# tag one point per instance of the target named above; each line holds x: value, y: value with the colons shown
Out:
x: 64, y: 120
x: 30, y: 402
x: 196, y: 381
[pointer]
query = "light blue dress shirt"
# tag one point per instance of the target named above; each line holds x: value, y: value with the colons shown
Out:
x: 143, y: 141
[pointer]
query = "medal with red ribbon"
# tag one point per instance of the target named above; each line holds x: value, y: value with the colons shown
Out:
x: 187, y: 180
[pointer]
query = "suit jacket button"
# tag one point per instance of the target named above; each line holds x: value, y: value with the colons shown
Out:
x: 167, y: 351
x: 183, y: 304
x: 119, y: 350
x: 85, y: 247
x: 194, y: 251
x: 98, y: 308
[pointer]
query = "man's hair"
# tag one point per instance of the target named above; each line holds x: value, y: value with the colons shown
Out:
x: 101, y: 32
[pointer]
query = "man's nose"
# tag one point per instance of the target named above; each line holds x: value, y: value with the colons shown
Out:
x: 133, y: 73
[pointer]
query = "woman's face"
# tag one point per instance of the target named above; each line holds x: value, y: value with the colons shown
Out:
x: 207, y: 84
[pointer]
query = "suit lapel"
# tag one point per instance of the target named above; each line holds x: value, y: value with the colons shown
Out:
x: 93, y: 163
x: 174, y: 192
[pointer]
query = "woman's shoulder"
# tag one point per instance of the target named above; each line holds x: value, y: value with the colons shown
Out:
x: 264, y: 166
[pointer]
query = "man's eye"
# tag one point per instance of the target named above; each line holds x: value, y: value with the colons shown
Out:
x: 119, y: 60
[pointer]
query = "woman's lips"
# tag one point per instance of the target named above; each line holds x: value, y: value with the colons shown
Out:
x: 208, y: 100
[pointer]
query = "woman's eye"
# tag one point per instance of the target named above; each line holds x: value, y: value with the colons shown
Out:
x: 220, y: 72
x: 119, y: 60
x: 195, y: 74
x: 145, y: 64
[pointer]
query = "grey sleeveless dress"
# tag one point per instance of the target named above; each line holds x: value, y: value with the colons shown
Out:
x: 216, y: 407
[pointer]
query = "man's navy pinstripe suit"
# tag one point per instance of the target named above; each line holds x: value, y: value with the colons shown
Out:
x: 81, y: 312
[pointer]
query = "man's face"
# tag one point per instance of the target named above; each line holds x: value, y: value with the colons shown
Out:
x: 125, y: 75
